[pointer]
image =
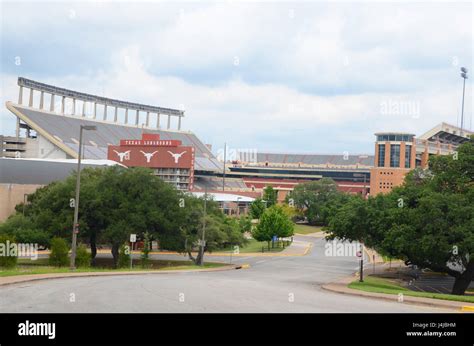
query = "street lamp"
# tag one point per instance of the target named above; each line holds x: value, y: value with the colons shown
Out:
x: 203, y: 236
x: 75, y: 226
x: 464, y: 77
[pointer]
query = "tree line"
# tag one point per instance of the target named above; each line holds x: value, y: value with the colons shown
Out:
x: 116, y: 202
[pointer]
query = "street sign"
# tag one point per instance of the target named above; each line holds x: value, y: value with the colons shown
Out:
x: 359, y: 253
x: 133, y: 238
x: 275, y: 238
x: 236, y: 250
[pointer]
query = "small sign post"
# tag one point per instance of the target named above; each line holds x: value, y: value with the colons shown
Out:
x: 133, y: 239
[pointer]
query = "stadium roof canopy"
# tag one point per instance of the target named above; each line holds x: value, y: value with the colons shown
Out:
x: 447, y: 133
x: 63, y: 132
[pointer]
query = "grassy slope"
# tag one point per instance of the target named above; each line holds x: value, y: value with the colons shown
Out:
x: 380, y: 285
x: 28, y: 267
x: 306, y: 229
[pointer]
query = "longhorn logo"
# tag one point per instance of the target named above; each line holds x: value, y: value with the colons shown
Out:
x: 176, y: 156
x: 148, y: 155
x: 123, y: 156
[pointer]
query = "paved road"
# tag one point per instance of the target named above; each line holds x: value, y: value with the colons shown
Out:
x: 272, y: 284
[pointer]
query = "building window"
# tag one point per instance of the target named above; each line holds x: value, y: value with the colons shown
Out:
x: 407, y: 156
x: 395, y: 155
x: 381, y: 162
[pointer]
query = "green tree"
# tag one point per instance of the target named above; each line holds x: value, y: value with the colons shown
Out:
x: 317, y: 199
x: 274, y: 222
x: 257, y: 207
x: 428, y: 221
x: 270, y: 195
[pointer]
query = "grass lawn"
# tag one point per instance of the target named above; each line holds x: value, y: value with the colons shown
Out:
x: 254, y: 246
x: 381, y: 285
x: 306, y: 229
x: 40, y: 266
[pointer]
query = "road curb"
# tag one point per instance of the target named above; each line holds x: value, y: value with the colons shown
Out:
x: 341, y: 288
x: 18, y: 279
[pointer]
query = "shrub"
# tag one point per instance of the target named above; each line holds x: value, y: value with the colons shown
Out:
x: 83, y: 257
x: 10, y: 260
x: 124, y: 256
x: 59, y: 253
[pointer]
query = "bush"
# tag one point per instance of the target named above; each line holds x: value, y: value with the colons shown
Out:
x: 83, y: 257
x: 10, y: 260
x: 59, y: 253
x: 124, y: 256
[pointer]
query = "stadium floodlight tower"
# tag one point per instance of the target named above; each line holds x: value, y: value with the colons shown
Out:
x: 464, y: 77
x: 75, y: 226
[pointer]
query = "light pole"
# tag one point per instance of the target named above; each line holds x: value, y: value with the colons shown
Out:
x: 203, y: 238
x: 464, y: 77
x: 75, y: 226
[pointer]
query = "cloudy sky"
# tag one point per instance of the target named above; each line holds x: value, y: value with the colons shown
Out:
x: 280, y: 76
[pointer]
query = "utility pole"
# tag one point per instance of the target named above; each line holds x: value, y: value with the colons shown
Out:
x: 361, y: 277
x: 75, y: 226
x: 203, y: 237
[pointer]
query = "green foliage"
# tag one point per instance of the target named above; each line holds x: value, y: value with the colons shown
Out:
x: 245, y: 224
x: 59, y: 252
x: 124, y: 256
x: 24, y: 230
x: 274, y: 222
x: 317, y: 200
x: 83, y: 257
x: 257, y: 207
x: 5, y: 249
x: 428, y: 221
x: 270, y: 195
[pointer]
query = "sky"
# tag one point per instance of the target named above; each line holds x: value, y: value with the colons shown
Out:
x: 298, y: 77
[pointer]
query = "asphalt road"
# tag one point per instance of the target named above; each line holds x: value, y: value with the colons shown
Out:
x: 272, y: 284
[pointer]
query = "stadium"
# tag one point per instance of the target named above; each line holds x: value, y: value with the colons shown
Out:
x: 131, y: 134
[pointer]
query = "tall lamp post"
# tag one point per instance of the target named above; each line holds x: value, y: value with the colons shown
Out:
x: 203, y: 236
x: 464, y: 77
x: 75, y: 226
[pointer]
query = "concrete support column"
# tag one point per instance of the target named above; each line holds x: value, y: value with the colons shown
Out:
x: 63, y: 103
x: 147, y: 118
x: 73, y: 106
x: 158, y: 120
x: 20, y: 96
x: 84, y: 108
x: 169, y: 122
x: 137, y: 117
x: 42, y: 100
x: 126, y: 115
x: 179, y: 123
x: 30, y: 104
x: 51, y: 105
x: 115, y: 114
x: 95, y: 110
x: 105, y: 112
x: 17, y: 127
